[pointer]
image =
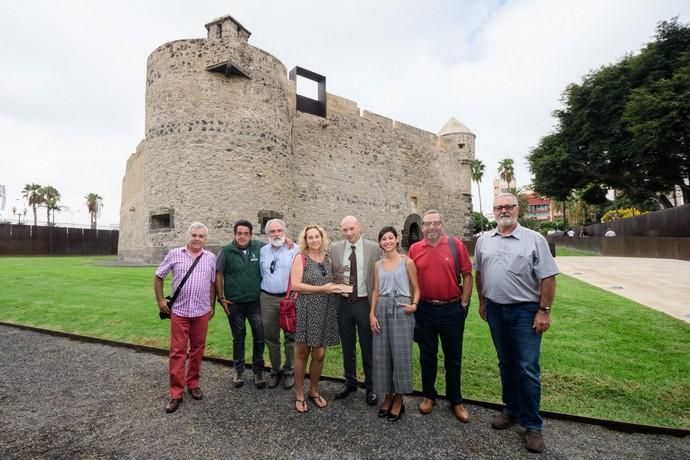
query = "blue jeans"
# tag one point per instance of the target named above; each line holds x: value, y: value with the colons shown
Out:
x: 447, y: 322
x: 239, y: 312
x: 518, y: 346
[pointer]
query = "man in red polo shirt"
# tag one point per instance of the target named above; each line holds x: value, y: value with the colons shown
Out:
x: 441, y: 311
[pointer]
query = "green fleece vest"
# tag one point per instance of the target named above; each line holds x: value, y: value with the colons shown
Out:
x: 242, y: 275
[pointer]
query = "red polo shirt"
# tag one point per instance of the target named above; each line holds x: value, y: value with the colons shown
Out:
x: 436, y: 268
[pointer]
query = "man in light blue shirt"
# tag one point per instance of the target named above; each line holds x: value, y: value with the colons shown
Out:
x: 276, y: 262
x: 516, y: 284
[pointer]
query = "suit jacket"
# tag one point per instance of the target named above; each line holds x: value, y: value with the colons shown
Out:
x: 371, y: 252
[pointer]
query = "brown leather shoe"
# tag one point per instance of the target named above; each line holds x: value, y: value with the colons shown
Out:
x: 426, y: 406
x: 196, y: 393
x: 173, y: 405
x: 534, y: 442
x: 503, y: 421
x: 461, y: 413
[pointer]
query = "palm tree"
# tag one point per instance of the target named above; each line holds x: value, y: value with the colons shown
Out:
x: 94, y: 202
x: 31, y: 192
x: 51, y: 197
x: 477, y: 174
x: 506, y: 170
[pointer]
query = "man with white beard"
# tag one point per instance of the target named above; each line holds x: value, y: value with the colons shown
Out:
x: 276, y: 261
x: 516, y: 284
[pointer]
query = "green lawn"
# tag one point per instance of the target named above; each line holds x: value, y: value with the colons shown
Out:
x: 564, y: 251
x: 604, y: 356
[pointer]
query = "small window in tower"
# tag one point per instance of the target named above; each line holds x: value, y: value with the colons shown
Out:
x: 162, y: 220
x: 461, y: 145
x: 219, y: 31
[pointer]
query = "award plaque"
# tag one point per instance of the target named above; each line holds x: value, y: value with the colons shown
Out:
x: 342, y: 279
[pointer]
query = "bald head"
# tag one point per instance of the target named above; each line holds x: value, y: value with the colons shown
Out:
x: 350, y: 228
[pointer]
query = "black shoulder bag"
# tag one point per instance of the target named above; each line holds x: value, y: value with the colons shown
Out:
x: 171, y: 300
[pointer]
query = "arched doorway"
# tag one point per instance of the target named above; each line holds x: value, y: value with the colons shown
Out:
x: 411, y: 230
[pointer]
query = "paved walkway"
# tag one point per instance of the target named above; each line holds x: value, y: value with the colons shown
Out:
x: 61, y: 398
x: 661, y: 284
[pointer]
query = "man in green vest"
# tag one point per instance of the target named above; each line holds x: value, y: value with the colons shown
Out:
x: 238, y: 286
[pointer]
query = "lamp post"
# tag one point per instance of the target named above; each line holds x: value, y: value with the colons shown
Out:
x: 19, y: 214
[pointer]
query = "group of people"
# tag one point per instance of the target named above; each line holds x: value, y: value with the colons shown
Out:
x: 357, y: 290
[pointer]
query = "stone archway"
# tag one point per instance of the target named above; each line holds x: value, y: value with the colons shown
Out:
x: 412, y: 230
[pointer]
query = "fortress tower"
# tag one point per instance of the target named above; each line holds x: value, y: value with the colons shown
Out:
x: 228, y: 138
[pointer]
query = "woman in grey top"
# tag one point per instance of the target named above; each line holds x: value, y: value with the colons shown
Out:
x: 394, y: 299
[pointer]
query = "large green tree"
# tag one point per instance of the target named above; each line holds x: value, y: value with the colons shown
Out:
x: 31, y: 192
x: 626, y: 126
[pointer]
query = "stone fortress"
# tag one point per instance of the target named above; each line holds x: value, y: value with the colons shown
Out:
x: 227, y: 137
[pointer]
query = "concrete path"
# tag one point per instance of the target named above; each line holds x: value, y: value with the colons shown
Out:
x: 661, y: 284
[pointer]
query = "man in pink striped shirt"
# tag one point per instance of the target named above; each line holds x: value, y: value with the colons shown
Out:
x: 190, y: 313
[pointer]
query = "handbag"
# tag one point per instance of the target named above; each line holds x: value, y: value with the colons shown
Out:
x: 288, y: 308
x: 171, y: 300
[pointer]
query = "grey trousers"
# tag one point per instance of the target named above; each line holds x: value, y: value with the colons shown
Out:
x: 353, y: 318
x: 393, y: 347
x: 270, y: 317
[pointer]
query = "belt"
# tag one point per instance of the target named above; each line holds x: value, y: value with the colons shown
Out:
x: 358, y: 299
x: 441, y: 302
x: 280, y: 294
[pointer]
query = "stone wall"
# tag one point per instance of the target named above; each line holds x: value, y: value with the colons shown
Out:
x: 222, y: 147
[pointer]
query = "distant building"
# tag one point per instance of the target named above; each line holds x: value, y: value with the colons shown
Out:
x: 540, y: 208
x: 501, y: 186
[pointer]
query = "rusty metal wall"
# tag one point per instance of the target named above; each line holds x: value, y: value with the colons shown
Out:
x: 672, y: 223
x: 629, y: 246
x: 28, y: 240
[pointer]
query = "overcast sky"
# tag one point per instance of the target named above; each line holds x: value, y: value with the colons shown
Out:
x: 73, y: 72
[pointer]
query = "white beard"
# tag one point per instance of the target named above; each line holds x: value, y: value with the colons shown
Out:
x: 277, y: 242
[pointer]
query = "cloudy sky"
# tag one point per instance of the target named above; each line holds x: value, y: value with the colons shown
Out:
x: 73, y: 72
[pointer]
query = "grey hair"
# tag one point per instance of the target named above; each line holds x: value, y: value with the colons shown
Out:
x: 276, y: 220
x: 433, y: 211
x: 195, y: 225
x: 517, y: 202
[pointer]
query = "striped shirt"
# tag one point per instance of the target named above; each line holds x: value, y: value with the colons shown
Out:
x: 195, y: 297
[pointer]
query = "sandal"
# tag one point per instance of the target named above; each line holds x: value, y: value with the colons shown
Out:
x: 301, y: 404
x: 318, y: 401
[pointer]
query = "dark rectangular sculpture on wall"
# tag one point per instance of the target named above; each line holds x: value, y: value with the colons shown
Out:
x: 307, y: 104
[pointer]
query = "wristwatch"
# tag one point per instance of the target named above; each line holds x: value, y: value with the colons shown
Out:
x: 545, y: 309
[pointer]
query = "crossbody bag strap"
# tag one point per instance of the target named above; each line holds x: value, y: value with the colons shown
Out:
x: 454, y: 252
x: 184, y: 280
x: 289, y: 286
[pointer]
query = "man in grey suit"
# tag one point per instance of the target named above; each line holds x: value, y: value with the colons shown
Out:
x: 355, y: 258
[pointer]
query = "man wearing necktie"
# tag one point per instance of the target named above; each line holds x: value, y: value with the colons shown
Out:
x: 355, y: 257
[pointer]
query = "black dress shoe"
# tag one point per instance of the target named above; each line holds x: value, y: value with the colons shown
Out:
x: 372, y: 398
x: 196, y: 393
x: 345, y: 391
x: 395, y: 418
x: 383, y: 412
x: 172, y: 405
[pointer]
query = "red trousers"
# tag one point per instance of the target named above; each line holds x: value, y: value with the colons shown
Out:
x: 187, y: 343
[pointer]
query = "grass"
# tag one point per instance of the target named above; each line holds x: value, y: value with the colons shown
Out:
x: 562, y: 251
x: 605, y: 356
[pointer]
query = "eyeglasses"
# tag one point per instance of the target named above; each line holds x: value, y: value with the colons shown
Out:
x: 435, y: 223
x: 324, y: 272
x: 273, y: 265
x: 507, y: 207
